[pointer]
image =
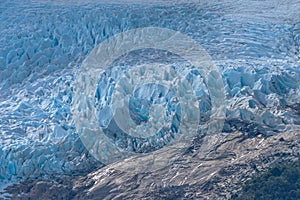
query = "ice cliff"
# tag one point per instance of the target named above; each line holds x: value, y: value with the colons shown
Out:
x: 43, y: 43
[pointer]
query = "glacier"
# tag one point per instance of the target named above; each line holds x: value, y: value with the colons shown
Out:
x: 43, y: 43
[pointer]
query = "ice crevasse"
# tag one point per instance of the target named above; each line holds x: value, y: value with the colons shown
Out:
x: 42, y: 48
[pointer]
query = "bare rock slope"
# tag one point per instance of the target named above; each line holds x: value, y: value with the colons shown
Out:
x: 209, y: 168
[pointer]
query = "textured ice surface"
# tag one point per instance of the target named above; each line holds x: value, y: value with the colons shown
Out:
x: 42, y: 44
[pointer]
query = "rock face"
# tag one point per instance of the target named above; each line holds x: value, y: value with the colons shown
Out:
x: 177, y: 172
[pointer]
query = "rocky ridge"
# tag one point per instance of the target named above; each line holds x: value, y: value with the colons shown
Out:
x: 177, y: 172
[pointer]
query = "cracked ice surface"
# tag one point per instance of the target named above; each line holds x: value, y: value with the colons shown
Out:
x: 42, y: 44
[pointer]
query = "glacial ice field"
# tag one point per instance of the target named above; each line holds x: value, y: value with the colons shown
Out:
x: 254, y: 44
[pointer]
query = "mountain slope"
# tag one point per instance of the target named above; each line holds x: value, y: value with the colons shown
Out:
x: 176, y: 172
